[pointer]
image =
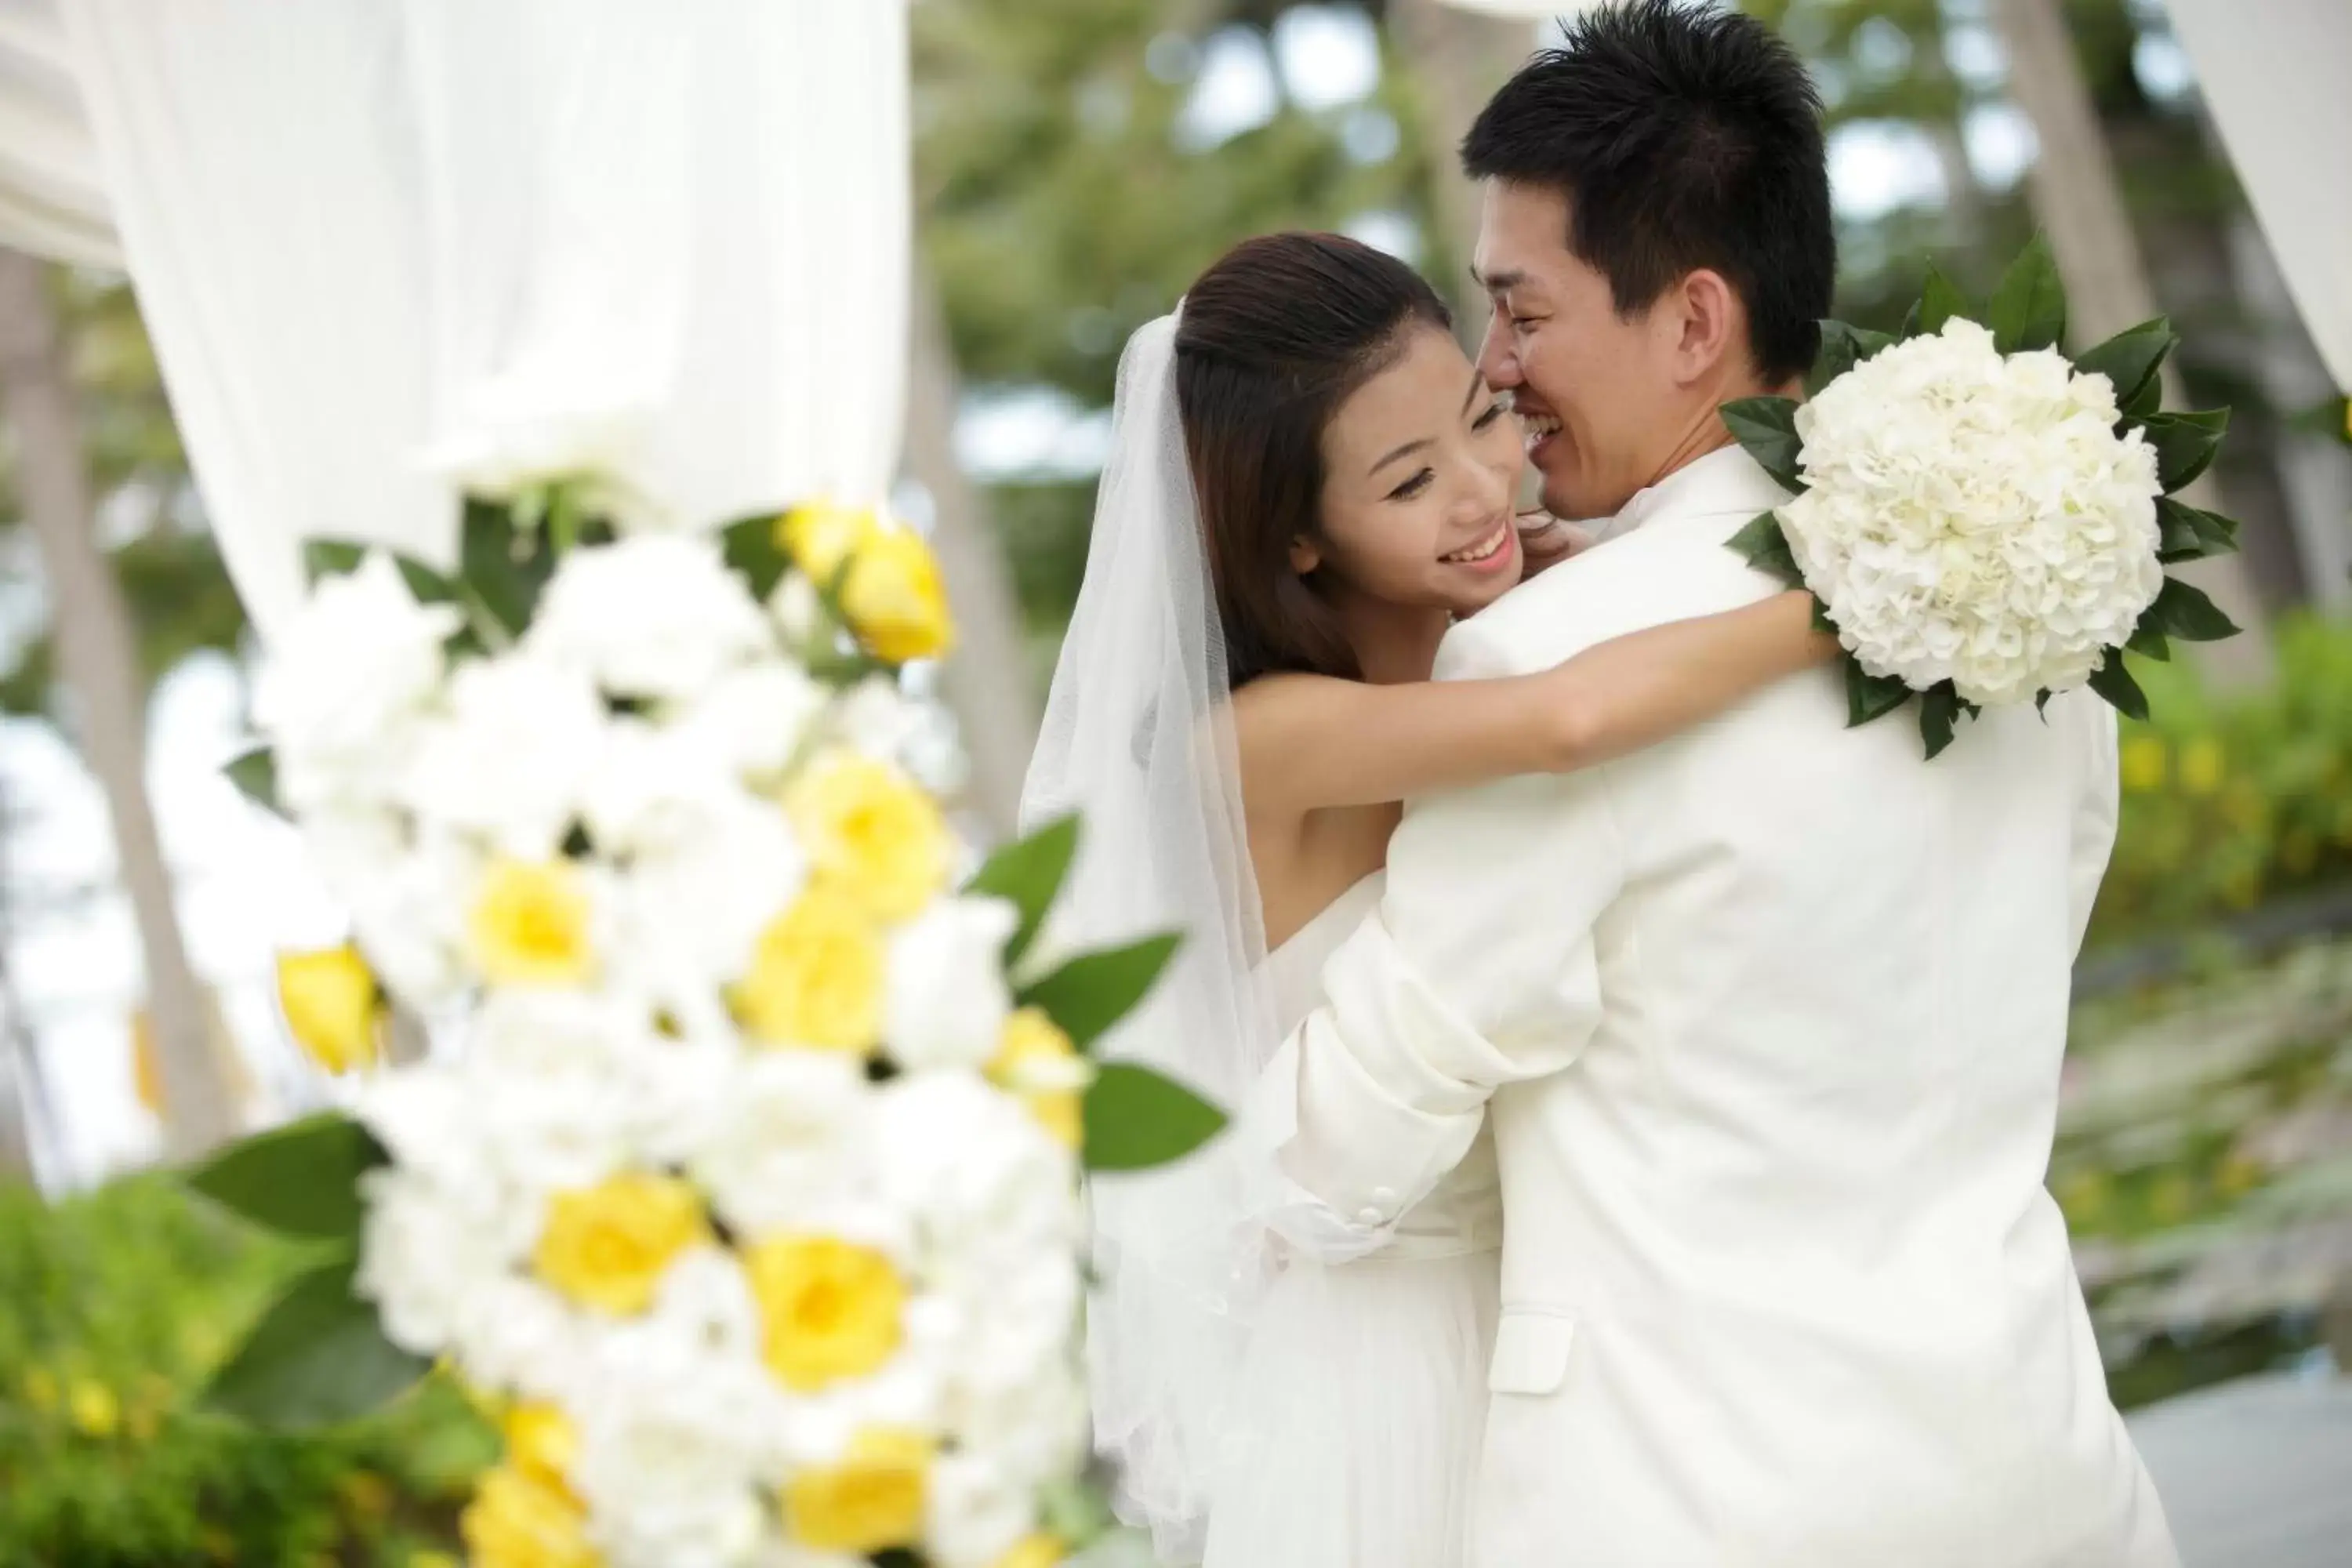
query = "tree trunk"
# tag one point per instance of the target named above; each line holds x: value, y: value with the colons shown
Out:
x: 1459, y: 60
x: 98, y: 661
x: 986, y: 679
x: 2079, y: 204
x: 25, y: 1123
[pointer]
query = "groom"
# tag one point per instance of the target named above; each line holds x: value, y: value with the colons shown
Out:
x: 1768, y: 1019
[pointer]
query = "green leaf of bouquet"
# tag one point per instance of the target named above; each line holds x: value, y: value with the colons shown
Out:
x: 2185, y: 534
x: 1870, y: 697
x: 2184, y: 612
x: 1910, y: 327
x: 1094, y: 990
x: 2185, y: 443
x: 1028, y: 874
x: 2027, y: 310
x: 255, y: 773
x: 1767, y: 426
x: 2113, y: 681
x: 1844, y: 346
x: 318, y: 1356
x: 301, y: 1178
x: 1764, y: 544
x: 505, y: 568
x: 1941, y: 709
x: 2131, y: 359
x: 1940, y: 301
x: 753, y: 549
x: 1136, y: 1119
x: 330, y: 558
x: 2149, y: 643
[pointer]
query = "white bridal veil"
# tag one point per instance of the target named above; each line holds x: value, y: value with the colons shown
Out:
x: 1138, y: 736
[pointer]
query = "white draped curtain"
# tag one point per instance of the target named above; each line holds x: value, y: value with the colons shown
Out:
x: 367, y: 231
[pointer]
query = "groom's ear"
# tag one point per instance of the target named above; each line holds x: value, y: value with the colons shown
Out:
x: 1708, y: 322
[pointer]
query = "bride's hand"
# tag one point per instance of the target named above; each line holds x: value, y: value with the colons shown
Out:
x: 1545, y: 541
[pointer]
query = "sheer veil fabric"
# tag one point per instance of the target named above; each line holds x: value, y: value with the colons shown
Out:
x: 1328, y: 1416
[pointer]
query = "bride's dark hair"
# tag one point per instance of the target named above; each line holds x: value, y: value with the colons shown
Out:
x: 1272, y: 340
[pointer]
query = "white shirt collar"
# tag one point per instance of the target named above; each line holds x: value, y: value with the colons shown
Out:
x: 1724, y: 481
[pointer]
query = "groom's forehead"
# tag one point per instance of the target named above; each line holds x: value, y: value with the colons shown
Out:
x: 1522, y: 235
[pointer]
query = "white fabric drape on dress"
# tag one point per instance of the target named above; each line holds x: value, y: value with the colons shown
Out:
x: 368, y: 231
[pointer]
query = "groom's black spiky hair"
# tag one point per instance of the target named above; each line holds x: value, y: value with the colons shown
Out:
x: 1685, y: 136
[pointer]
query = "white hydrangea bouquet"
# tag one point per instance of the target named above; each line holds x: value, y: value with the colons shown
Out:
x: 1982, y: 522
x: 741, y: 1178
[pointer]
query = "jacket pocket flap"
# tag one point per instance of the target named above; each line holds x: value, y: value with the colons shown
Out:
x: 1531, y: 1352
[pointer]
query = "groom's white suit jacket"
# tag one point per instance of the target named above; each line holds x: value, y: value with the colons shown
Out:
x: 1768, y: 1020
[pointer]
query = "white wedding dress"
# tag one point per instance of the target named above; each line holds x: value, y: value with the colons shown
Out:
x: 1362, y: 1395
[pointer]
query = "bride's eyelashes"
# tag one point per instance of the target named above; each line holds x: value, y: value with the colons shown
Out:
x: 1495, y: 411
x: 1414, y: 486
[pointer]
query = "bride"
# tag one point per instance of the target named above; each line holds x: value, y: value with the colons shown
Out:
x: 1309, y: 482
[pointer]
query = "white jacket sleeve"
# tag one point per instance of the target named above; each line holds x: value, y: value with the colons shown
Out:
x: 1479, y: 969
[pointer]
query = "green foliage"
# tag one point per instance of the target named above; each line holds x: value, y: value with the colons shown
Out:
x: 1028, y: 873
x: 1093, y: 991
x: 2228, y: 802
x: 301, y: 1179
x: 115, y: 1310
x: 1136, y: 1119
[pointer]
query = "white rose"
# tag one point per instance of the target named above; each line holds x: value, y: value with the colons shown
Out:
x: 788, y: 1143
x: 546, y: 422
x: 752, y: 719
x: 345, y: 682
x: 945, y: 1001
x: 425, y: 1258
x: 655, y: 785
x: 977, y: 1510
x: 566, y: 1079
x: 693, y: 908
x: 521, y: 739
x: 875, y: 718
x: 971, y: 1167
x: 411, y: 922
x: 663, y: 1493
x: 655, y: 616
x: 514, y: 1335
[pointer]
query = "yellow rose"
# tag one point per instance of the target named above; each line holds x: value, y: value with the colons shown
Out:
x: 2202, y: 767
x: 517, y: 1520
x: 1036, y: 1551
x: 92, y: 1408
x: 815, y: 977
x: 820, y: 535
x: 828, y: 1309
x: 894, y: 599
x: 872, y: 832
x: 332, y: 1006
x: 606, y: 1245
x: 542, y: 1443
x: 871, y: 1501
x: 1036, y: 1060
x: 531, y: 923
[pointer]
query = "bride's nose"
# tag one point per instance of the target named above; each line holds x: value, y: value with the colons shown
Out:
x: 1483, y: 492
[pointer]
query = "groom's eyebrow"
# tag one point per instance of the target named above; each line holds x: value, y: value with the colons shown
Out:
x: 1498, y: 282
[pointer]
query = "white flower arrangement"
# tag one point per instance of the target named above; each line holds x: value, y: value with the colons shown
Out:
x: 1982, y: 522
x: 741, y: 1181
